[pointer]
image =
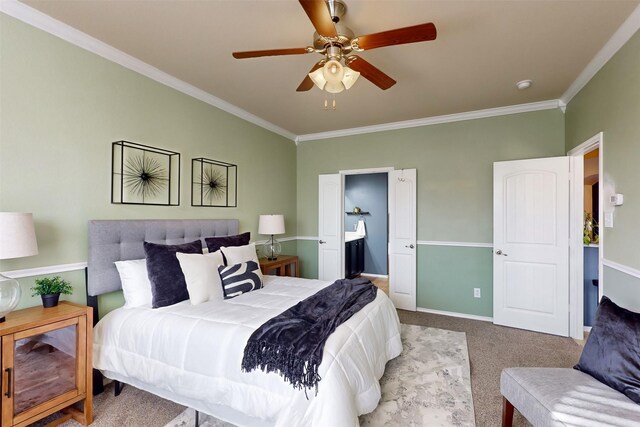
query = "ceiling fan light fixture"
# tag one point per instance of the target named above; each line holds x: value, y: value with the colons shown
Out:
x: 334, y: 87
x: 350, y: 77
x: 333, y: 71
x: 318, y: 79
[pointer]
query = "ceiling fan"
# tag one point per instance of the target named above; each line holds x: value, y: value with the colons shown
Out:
x: 337, y: 43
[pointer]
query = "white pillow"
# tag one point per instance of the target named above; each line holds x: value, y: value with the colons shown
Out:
x: 201, y: 275
x: 135, y: 282
x: 239, y: 254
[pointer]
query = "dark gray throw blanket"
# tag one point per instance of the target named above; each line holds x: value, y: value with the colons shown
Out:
x: 292, y: 343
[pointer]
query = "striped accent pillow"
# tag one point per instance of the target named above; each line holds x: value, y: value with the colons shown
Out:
x: 240, y: 278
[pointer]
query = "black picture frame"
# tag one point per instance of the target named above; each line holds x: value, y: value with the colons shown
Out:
x: 144, y: 175
x: 214, y: 183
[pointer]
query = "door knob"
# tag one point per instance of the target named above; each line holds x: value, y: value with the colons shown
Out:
x: 321, y: 241
x: 499, y: 252
x: 410, y: 246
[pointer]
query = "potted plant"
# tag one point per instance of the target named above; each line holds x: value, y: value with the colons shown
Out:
x: 50, y: 289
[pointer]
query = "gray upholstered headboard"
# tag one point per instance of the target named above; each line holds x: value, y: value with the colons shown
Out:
x: 118, y: 240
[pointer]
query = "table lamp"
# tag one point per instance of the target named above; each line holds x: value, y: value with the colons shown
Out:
x: 17, y: 240
x: 271, y: 224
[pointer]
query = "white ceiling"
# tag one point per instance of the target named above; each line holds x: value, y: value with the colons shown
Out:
x: 483, y: 48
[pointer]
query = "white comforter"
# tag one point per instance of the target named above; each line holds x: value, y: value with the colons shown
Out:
x: 193, y: 354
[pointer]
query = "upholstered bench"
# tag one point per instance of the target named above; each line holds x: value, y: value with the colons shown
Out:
x: 602, y: 390
x: 564, y: 397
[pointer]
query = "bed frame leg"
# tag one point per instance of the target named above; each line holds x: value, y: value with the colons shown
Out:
x: 197, y: 418
x: 507, y: 413
x: 98, y: 382
x: 92, y: 301
x: 117, y: 389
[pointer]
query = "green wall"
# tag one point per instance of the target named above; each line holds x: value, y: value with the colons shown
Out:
x: 61, y: 107
x: 454, y: 163
x: 610, y: 103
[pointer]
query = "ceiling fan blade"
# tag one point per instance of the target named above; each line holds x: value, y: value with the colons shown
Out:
x: 414, y: 34
x: 370, y: 72
x: 307, y: 83
x: 270, y: 52
x: 318, y: 13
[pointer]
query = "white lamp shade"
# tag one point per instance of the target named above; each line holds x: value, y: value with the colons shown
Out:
x: 17, y: 235
x: 271, y: 224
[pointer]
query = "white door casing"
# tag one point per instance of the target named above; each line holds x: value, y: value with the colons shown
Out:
x: 402, y: 238
x: 330, y: 236
x: 531, y: 244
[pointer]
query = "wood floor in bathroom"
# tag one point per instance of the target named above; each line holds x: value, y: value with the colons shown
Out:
x: 380, y: 282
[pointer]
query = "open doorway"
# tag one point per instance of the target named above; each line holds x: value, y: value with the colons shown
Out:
x: 587, y: 233
x: 590, y: 232
x: 366, y: 227
x: 401, y: 247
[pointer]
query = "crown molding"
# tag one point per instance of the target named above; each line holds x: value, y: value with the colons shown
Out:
x: 622, y: 35
x: 67, y: 33
x: 59, y: 29
x: 436, y: 120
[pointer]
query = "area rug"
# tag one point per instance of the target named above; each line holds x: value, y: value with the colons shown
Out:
x: 427, y: 385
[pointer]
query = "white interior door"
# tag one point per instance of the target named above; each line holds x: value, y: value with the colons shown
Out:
x: 531, y: 244
x: 331, y: 242
x: 402, y: 238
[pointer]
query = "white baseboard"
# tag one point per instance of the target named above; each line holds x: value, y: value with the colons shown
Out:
x: 454, y: 314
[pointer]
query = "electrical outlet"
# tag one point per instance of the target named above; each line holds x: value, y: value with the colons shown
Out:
x: 476, y: 292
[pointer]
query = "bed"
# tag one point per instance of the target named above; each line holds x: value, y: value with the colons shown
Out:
x: 192, y: 354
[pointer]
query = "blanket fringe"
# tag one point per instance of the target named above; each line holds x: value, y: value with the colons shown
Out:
x: 282, y: 360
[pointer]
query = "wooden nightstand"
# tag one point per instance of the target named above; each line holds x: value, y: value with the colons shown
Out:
x: 47, y: 364
x: 283, y: 264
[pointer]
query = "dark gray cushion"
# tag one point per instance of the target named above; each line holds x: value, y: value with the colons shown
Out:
x: 612, y: 352
x: 215, y: 243
x: 240, y: 278
x: 168, y: 286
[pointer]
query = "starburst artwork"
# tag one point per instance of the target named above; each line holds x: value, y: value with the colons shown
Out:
x: 144, y: 175
x: 213, y: 183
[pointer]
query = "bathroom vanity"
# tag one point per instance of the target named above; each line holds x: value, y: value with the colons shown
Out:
x: 353, y: 255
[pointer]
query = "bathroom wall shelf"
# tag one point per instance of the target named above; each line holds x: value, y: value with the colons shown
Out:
x: 361, y: 213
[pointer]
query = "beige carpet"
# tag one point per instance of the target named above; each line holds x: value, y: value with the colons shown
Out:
x: 491, y: 348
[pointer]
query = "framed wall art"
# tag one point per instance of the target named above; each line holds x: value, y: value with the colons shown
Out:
x: 144, y: 175
x: 214, y: 183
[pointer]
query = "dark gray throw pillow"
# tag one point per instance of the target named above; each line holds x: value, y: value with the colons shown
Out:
x: 168, y: 286
x: 240, y: 278
x: 612, y: 352
x: 215, y: 243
